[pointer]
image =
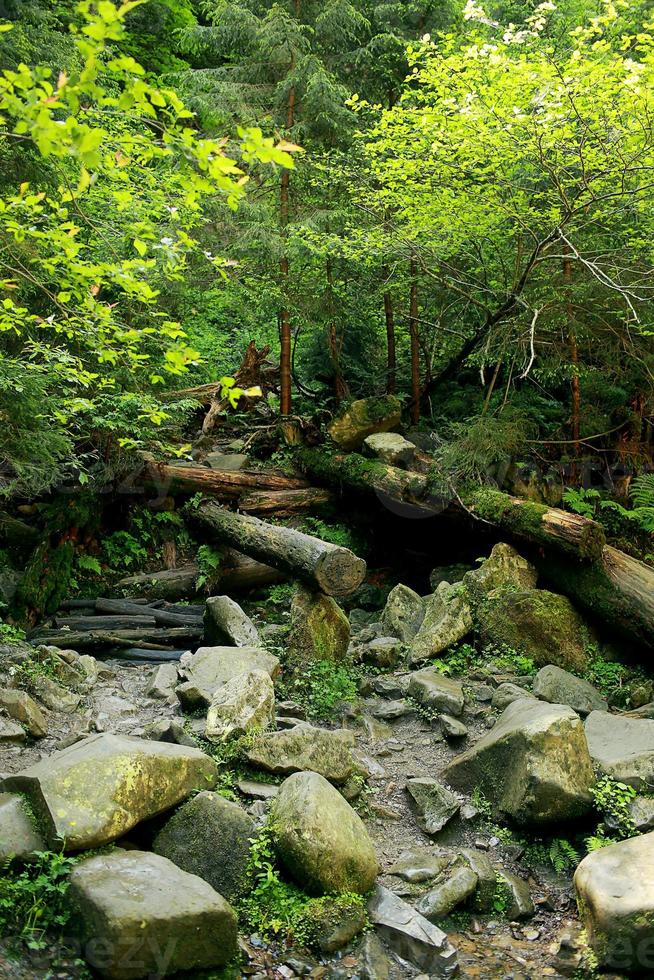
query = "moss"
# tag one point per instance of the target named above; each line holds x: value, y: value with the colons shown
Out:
x: 46, y: 579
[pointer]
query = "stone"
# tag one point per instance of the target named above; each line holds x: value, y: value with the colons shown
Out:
x: 256, y: 790
x: 420, y: 864
x: 364, y: 418
x: 506, y: 693
x: 641, y: 814
x: 305, y: 748
x: 448, y: 619
x: 447, y: 573
x: 403, y: 613
x: 11, y: 733
x: 452, y: 728
x: 540, y: 624
x: 210, y: 836
x: 394, y: 688
x: 457, y: 886
x: 163, y: 682
x: 245, y: 703
x: 54, y: 695
x: 320, y: 630
x: 384, y: 652
x: 435, y: 802
x: 390, y: 448
x: 374, y: 961
x: 392, y: 710
x: 227, y: 462
x: 19, y: 835
x: 192, y: 697
x: 533, y: 765
x: 211, y: 667
x: 410, y: 935
x: 615, y: 894
x: 480, y: 863
x: 225, y: 622
x: 560, y: 687
x: 99, y: 788
x: 504, y: 567
x: 141, y: 916
x: 436, y: 691
x: 169, y: 730
x: 519, y: 904
x: 622, y: 748
x: 334, y: 922
x: 320, y: 840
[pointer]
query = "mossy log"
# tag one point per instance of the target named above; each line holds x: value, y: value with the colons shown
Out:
x: 283, y: 503
x: 334, y: 570
x: 223, y: 484
x: 162, y: 617
x: 152, y: 638
x: 239, y: 573
x: 617, y: 589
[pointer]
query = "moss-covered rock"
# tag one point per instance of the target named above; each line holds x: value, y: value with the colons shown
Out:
x: 403, y: 613
x: 245, y: 703
x: 306, y: 748
x: 365, y: 417
x: 330, y: 923
x: 321, y: 841
x: 320, y: 630
x: 210, y: 836
x: 504, y: 567
x: 19, y: 835
x: 448, y: 619
x: 46, y: 580
x: 540, y: 624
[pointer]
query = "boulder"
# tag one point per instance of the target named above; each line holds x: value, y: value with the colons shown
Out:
x: 516, y: 894
x: 436, y: 804
x: 162, y: 684
x: 11, y: 733
x: 420, y: 864
x: 211, y: 667
x: 410, y: 935
x: 452, y: 728
x: 537, y: 623
x: 384, y: 652
x: 363, y: 418
x: 332, y: 923
x: 436, y: 691
x: 615, y: 893
x: 480, y: 863
x: 320, y: 630
x: 533, y: 765
x: 391, y: 448
x: 141, y: 916
x: 192, y: 697
x: 24, y: 709
x: 458, y: 884
x: 19, y: 836
x: 225, y: 622
x: 403, y: 613
x: 169, y: 730
x: 53, y: 695
x: 374, y: 961
x: 99, y: 788
x: 622, y: 748
x: 506, y: 693
x: 227, y: 462
x: 560, y: 687
x: 448, y: 619
x: 210, y: 836
x: 319, y: 838
x: 504, y: 567
x: 245, y: 703
x: 305, y: 748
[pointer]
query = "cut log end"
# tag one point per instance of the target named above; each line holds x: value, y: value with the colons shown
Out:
x: 340, y: 573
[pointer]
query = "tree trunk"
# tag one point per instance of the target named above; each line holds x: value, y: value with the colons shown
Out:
x: 283, y: 503
x: 391, y: 360
x: 575, y: 384
x: 218, y: 483
x: 415, y: 345
x: 285, y: 357
x: 334, y: 570
x: 121, y: 622
x: 162, y: 617
x: 238, y: 573
x: 335, y: 343
x: 247, y: 376
x: 156, y: 639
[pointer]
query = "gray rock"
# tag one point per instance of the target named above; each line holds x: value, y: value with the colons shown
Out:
x: 410, y: 935
x: 245, y: 703
x: 504, y: 567
x: 436, y: 804
x: 98, y: 789
x: 210, y: 836
x: 11, y: 733
x: 622, y: 748
x: 22, y: 708
x: 164, y: 679
x: 227, y: 462
x: 641, y: 814
x: 403, y: 613
x: 448, y: 619
x: 363, y: 418
x: 305, y: 748
x: 517, y: 894
x: 169, y: 730
x: 533, y: 765
x: 383, y: 652
x: 140, y: 916
x: 334, y: 923
x: 319, y: 838
x: 391, y: 710
x: 211, y: 667
x: 19, y: 835
x: 506, y: 693
x: 420, y: 864
x: 394, y: 688
x: 480, y: 863
x: 192, y: 697
x: 54, y: 695
x: 390, y: 448
x: 615, y: 894
x: 320, y: 630
x: 458, y: 884
x: 225, y: 622
x: 560, y: 687
x: 452, y: 728
x: 374, y: 961
x: 256, y: 790
x: 435, y: 691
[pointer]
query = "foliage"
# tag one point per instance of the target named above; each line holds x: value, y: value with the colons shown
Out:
x: 322, y: 685
x: 337, y: 534
x: 559, y: 852
x: 208, y: 560
x: 33, y: 898
x: 11, y: 634
x: 613, y: 799
x: 591, y: 503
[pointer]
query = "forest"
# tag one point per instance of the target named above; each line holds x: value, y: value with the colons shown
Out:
x: 327, y: 489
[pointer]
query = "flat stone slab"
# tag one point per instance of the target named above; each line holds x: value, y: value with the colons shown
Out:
x: 305, y: 748
x: 211, y: 667
x: 435, y: 690
x: 622, y: 748
x: 410, y: 935
x: 142, y: 916
x: 558, y: 686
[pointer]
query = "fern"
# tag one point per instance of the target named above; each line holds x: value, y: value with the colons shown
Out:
x: 563, y: 855
x: 641, y: 491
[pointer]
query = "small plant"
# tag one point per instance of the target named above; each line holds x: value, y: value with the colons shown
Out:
x: 11, y: 634
x: 40, y: 663
x: 337, y: 534
x: 208, y: 560
x: 457, y: 661
x: 33, y: 900
x: 559, y: 852
x: 500, y: 896
x: 322, y: 684
x: 504, y: 657
x: 482, y: 804
x: 613, y: 801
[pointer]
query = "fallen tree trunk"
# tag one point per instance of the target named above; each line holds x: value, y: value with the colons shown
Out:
x: 618, y: 589
x: 128, y: 622
x: 161, y: 617
x: 283, y: 503
x: 334, y: 570
x: 155, y: 639
x: 238, y: 573
x: 224, y: 484
x: 145, y: 653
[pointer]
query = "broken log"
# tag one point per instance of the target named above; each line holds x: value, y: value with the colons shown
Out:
x: 142, y: 653
x: 238, y: 573
x: 160, y: 617
x: 129, y: 622
x: 156, y: 639
x: 224, y: 484
x: 283, y: 503
x: 334, y: 570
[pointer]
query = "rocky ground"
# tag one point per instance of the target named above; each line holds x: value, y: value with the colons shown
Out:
x: 456, y: 786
